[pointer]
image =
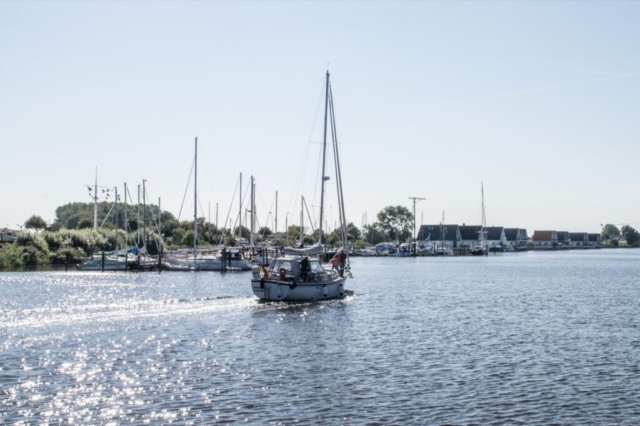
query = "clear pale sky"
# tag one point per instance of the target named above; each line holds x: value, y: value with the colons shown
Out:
x: 539, y: 100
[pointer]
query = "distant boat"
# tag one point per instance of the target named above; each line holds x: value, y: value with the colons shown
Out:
x: 207, y: 261
x: 405, y: 250
x: 477, y: 250
x: 110, y: 261
x: 369, y: 251
x: 7, y: 236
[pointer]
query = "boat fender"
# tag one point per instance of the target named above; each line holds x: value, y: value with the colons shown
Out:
x: 340, y: 290
x: 324, y: 291
x: 261, y: 283
x: 283, y: 274
x: 293, y: 284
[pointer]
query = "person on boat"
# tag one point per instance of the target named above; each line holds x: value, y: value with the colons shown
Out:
x: 305, y: 267
x: 341, y: 259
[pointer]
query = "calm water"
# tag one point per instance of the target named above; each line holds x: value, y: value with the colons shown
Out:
x: 533, y: 338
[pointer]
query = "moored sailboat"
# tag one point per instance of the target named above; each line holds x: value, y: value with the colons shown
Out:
x: 203, y: 259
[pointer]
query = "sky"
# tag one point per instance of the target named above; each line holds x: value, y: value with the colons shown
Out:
x: 536, y: 101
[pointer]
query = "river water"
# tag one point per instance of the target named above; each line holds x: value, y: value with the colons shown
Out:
x: 523, y: 338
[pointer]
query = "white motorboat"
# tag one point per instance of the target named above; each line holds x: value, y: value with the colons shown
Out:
x: 369, y: 251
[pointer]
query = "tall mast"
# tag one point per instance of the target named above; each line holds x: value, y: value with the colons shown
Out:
x: 240, y: 211
x: 484, y: 221
x: 302, y: 222
x: 415, y: 200
x: 160, y: 226
x: 195, y: 202
x: 442, y: 231
x: 95, y: 203
x: 116, y: 214
x: 138, y: 213
x: 324, y: 154
x: 253, y: 208
x: 275, y: 228
x: 126, y: 221
x: 144, y: 214
x: 484, y: 218
x: 338, y: 171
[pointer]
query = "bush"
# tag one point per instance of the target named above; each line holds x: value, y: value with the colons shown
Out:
x: 18, y: 256
x: 66, y: 254
x: 230, y: 241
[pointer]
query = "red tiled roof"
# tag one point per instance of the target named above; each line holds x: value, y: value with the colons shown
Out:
x: 542, y: 235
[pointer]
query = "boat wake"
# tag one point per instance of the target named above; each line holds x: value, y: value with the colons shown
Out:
x: 86, y: 315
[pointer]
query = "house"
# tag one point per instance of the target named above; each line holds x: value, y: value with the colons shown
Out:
x: 545, y: 239
x: 516, y: 238
x: 563, y: 239
x: 579, y: 239
x: 470, y: 235
x: 495, y: 237
x: 447, y: 235
x: 595, y: 240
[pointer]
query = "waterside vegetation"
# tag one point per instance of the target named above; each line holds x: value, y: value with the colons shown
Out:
x: 71, y: 237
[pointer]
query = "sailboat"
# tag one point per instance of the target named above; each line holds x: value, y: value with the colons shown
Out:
x: 481, y: 249
x: 299, y: 275
x: 198, y: 260
x: 106, y: 261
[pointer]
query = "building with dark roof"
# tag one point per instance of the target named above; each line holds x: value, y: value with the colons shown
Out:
x: 516, y: 238
x: 595, y: 240
x: 495, y: 236
x: 470, y: 235
x: 563, y: 238
x: 579, y: 239
x: 447, y: 235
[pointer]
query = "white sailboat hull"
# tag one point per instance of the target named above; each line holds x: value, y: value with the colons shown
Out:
x: 273, y: 290
x: 110, y: 264
x: 204, y: 264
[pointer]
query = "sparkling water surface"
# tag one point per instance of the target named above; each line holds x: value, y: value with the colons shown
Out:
x: 518, y: 338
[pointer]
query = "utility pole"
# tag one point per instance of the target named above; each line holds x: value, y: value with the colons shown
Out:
x: 415, y: 200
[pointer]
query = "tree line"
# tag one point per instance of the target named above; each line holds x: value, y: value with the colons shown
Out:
x: 71, y: 237
x: 614, y: 236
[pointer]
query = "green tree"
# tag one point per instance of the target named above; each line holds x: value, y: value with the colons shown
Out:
x: 397, y: 222
x: 610, y: 232
x: 293, y: 232
x: 245, y: 232
x: 631, y: 235
x: 169, y: 224
x: 374, y: 235
x: 353, y: 231
x: 264, y: 232
x: 230, y: 241
x: 35, y: 222
x: 85, y: 224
